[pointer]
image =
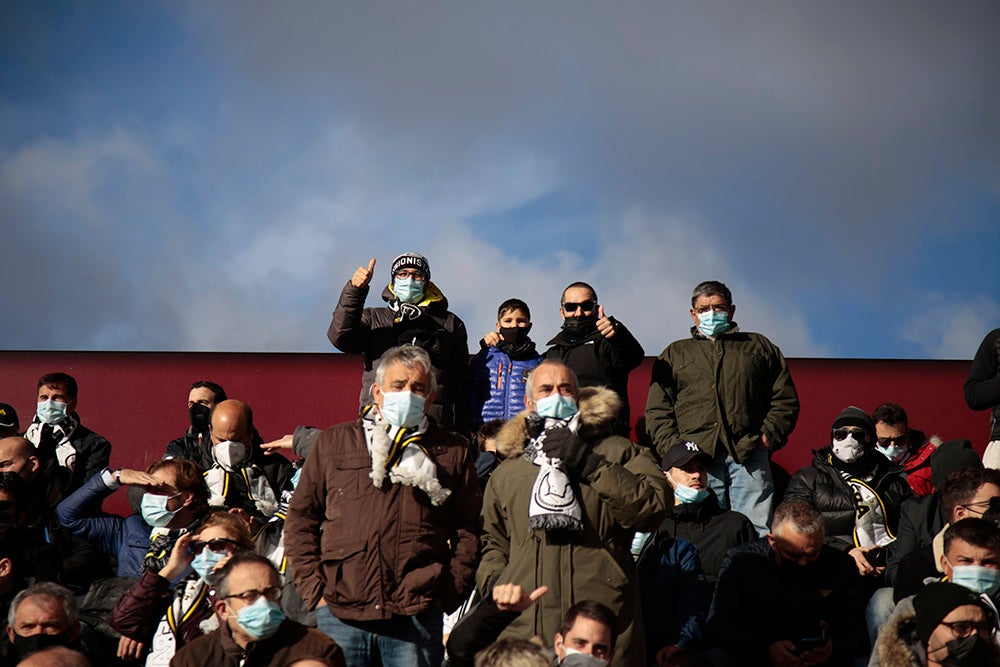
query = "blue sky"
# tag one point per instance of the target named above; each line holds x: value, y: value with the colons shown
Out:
x: 206, y: 176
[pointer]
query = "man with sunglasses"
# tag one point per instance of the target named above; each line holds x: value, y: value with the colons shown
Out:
x: 598, y: 348
x: 730, y: 391
x: 252, y: 627
x: 906, y: 447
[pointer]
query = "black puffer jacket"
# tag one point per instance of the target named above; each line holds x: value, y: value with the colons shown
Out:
x: 371, y: 331
x: 823, y: 486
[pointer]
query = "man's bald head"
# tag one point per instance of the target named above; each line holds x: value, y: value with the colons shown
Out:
x: 232, y: 420
x: 17, y: 455
x: 57, y: 656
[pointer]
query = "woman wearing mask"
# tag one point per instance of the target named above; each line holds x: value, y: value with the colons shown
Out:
x: 162, y: 615
x: 857, y: 490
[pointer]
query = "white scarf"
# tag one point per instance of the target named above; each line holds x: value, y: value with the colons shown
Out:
x: 553, y: 504
x: 397, y: 451
x: 62, y: 431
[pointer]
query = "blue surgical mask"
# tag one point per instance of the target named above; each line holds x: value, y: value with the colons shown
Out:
x: 408, y: 290
x: 261, y: 619
x: 895, y: 454
x: 51, y: 412
x: 205, y: 562
x: 402, y: 408
x: 976, y: 578
x: 296, y: 477
x: 712, y: 323
x: 556, y: 406
x: 154, y: 510
x: 689, y: 495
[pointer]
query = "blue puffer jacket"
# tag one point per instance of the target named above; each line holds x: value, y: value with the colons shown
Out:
x: 674, y: 602
x: 497, y: 383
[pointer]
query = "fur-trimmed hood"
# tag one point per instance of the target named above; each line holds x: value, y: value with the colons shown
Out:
x: 897, y: 645
x: 598, y: 408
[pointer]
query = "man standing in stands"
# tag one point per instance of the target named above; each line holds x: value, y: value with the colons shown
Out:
x: 597, y: 348
x: 382, y: 529
x: 729, y: 391
x: 982, y: 391
x: 196, y: 443
x: 66, y: 447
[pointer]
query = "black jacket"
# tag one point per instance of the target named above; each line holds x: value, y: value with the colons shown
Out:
x: 712, y: 529
x: 920, y: 519
x: 823, y: 486
x: 982, y: 389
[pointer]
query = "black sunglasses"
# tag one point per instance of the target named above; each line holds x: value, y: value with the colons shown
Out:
x: 843, y: 433
x: 585, y: 306
x: 218, y: 545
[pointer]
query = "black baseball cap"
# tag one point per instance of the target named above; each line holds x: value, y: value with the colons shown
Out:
x: 8, y: 417
x: 680, y: 455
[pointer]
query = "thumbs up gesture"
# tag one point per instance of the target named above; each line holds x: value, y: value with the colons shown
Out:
x: 363, y: 275
x: 605, y: 326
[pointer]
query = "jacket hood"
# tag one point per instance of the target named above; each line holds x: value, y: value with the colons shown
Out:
x: 897, y: 643
x: 598, y: 408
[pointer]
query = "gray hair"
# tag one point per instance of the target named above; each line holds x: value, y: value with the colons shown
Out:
x: 803, y: 516
x: 408, y: 355
x: 710, y: 288
x: 529, y: 392
x: 51, y: 590
x: 238, y: 559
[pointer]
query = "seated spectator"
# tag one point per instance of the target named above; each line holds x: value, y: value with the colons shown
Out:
x: 697, y: 516
x: 42, y: 493
x: 63, y: 443
x: 252, y: 625
x: 513, y: 653
x: 56, y: 656
x: 243, y: 476
x: 488, y: 458
x: 42, y: 616
x: 196, y: 443
x: 966, y: 494
x: 907, y: 448
x: 857, y: 490
x: 945, y: 624
x: 788, y: 599
x: 175, y: 499
x: 157, y: 614
x: 9, y: 423
x: 497, y: 374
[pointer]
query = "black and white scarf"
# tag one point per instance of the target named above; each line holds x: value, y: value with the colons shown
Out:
x: 396, y: 451
x: 413, y: 311
x: 553, y: 505
x: 61, y: 432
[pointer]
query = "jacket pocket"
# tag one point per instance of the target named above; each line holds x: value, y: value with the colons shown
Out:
x: 344, y: 564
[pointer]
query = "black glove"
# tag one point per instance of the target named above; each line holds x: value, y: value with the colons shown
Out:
x: 575, y: 454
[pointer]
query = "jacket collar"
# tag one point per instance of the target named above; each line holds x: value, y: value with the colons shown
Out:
x: 598, y: 408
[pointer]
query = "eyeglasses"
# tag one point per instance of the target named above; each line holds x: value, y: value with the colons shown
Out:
x: 273, y: 594
x: 585, y: 306
x: 983, y: 503
x: 844, y: 433
x: 965, y: 628
x: 898, y: 440
x: 416, y: 275
x: 718, y: 308
x: 218, y: 545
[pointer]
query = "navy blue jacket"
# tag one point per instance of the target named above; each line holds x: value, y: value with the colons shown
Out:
x: 497, y: 384
x: 674, y: 601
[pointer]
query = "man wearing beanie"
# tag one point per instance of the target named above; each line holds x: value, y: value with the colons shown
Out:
x: 944, y: 624
x: 856, y: 489
x: 416, y: 312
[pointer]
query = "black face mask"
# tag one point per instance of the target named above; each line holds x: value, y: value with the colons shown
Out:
x: 22, y: 647
x: 966, y: 652
x: 514, y: 336
x: 580, y: 327
x: 200, y: 417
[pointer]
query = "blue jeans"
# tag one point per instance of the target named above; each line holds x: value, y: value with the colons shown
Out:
x: 747, y: 487
x: 880, y: 608
x: 406, y: 641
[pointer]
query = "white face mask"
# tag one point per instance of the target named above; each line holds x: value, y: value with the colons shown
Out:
x: 848, y: 450
x: 231, y: 455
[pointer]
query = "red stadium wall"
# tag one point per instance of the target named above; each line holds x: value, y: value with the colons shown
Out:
x: 138, y: 400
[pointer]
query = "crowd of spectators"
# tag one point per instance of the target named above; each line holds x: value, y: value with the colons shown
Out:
x: 498, y: 512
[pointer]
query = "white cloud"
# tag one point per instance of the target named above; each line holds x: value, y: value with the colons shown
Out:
x: 951, y: 327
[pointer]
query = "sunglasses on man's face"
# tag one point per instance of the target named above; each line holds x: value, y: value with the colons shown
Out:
x: 218, y: 545
x: 844, y: 433
x: 585, y: 306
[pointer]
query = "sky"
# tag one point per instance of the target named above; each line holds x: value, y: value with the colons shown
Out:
x: 206, y: 176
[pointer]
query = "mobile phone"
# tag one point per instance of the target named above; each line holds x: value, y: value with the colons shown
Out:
x: 810, y: 640
x: 877, y: 557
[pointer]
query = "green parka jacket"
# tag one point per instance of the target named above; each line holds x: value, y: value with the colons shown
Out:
x: 627, y: 492
x: 724, y: 392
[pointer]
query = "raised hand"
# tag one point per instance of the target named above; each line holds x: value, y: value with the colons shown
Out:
x: 511, y: 597
x: 605, y: 326
x: 362, y: 275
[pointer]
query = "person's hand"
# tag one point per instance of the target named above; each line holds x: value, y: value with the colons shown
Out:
x: 783, y: 654
x: 244, y: 516
x: 764, y: 441
x: 818, y: 655
x: 492, y: 339
x: 561, y: 443
x: 865, y: 569
x: 511, y: 597
x: 666, y: 652
x: 139, y: 478
x: 130, y: 649
x: 284, y: 442
x: 605, y: 326
x: 362, y: 275
x: 180, y: 558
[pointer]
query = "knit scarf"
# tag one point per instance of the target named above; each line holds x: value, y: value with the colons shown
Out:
x: 224, y: 484
x: 553, y: 505
x: 413, y: 311
x: 397, y: 451
x: 61, y: 432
